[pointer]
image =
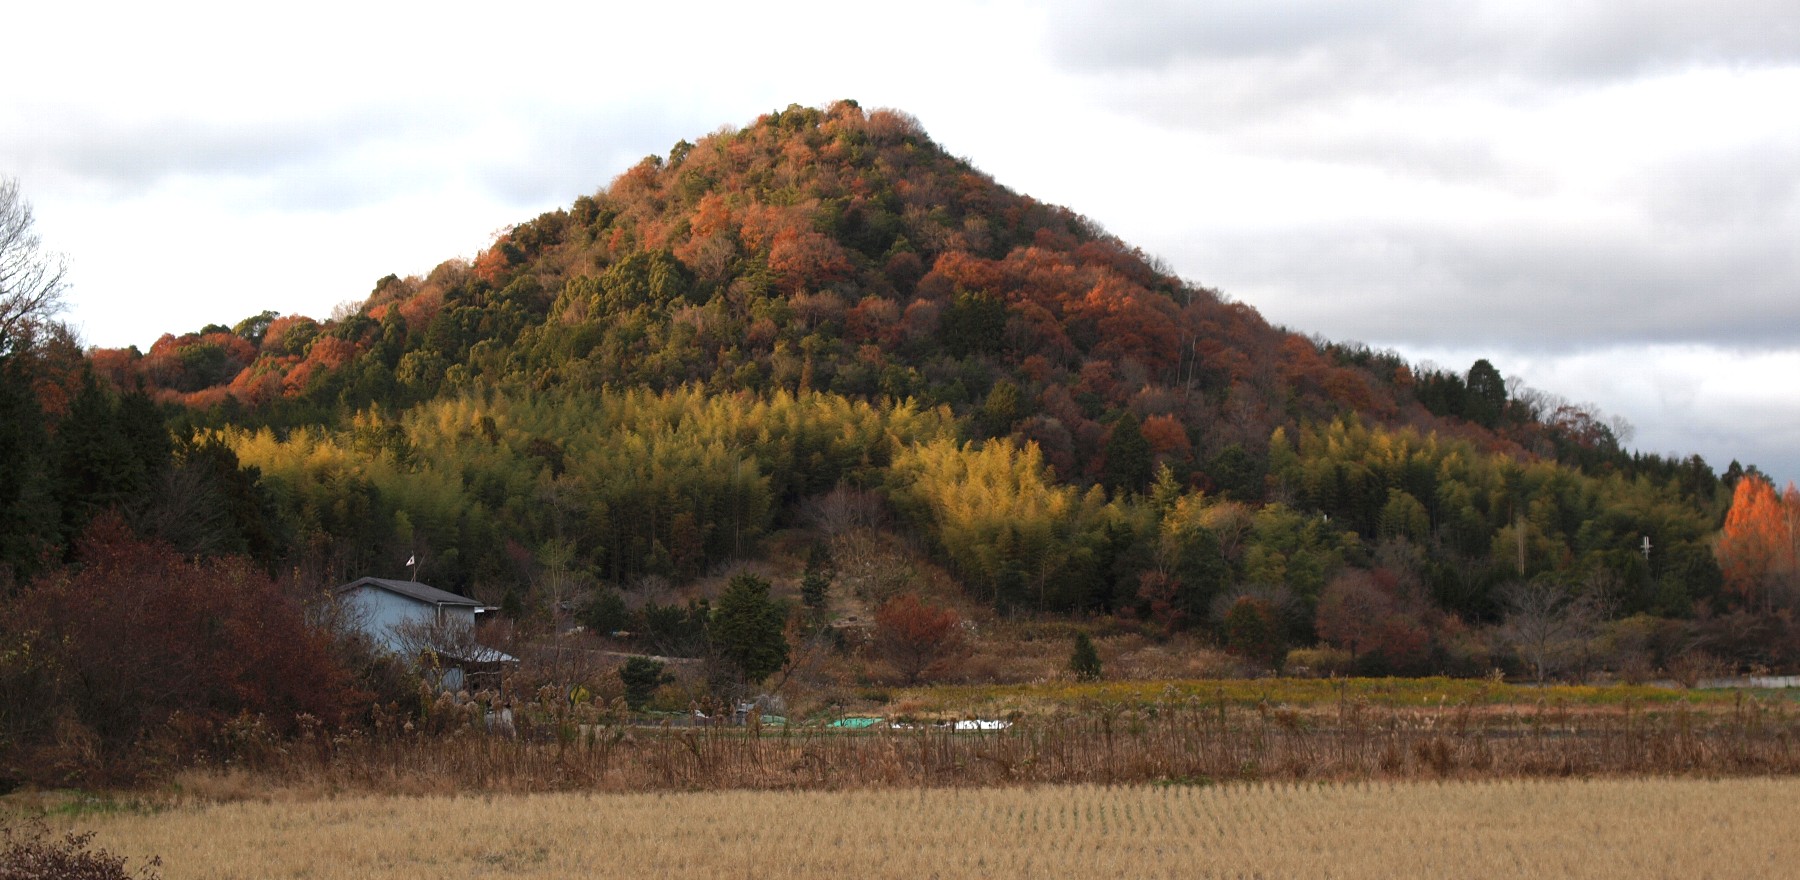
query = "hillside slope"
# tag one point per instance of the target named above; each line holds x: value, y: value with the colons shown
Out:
x: 661, y: 375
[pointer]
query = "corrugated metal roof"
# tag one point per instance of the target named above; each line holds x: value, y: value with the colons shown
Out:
x: 412, y: 590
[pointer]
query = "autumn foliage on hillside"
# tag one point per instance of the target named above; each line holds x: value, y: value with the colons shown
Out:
x: 657, y: 379
x: 819, y: 330
x: 831, y: 250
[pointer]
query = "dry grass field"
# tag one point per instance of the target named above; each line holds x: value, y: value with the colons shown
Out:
x: 1221, y: 779
x: 1537, y: 828
x: 1114, y: 737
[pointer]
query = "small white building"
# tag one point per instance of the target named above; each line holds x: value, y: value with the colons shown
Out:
x: 385, y: 609
x: 408, y: 618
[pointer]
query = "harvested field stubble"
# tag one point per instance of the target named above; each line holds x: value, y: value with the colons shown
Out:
x: 1504, y: 829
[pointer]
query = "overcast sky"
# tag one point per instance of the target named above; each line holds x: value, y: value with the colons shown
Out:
x: 1603, y: 198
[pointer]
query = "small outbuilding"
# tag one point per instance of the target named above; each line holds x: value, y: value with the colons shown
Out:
x: 408, y: 618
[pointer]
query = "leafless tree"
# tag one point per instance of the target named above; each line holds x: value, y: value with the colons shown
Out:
x: 1549, y: 625
x: 32, y: 280
x: 447, y: 638
x: 843, y: 509
x: 558, y: 579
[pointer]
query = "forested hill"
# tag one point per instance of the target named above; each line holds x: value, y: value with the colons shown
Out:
x: 653, y: 380
x: 844, y: 252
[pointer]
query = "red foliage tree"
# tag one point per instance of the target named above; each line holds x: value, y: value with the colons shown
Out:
x: 326, y: 353
x: 712, y: 216
x: 1351, y: 612
x: 1367, y: 614
x: 806, y: 260
x: 495, y: 264
x: 1097, y: 377
x: 420, y: 309
x: 916, y: 638
x: 261, y: 382
x: 116, y: 365
x: 137, y: 637
x: 1158, y: 590
x: 1168, y: 439
x: 968, y: 272
x: 1351, y: 388
x: 1133, y: 322
x: 289, y: 335
x: 1301, y: 363
x: 874, y: 320
x: 920, y: 320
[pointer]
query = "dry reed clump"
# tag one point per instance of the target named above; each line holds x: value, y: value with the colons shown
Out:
x: 1176, y: 738
x: 1504, y: 829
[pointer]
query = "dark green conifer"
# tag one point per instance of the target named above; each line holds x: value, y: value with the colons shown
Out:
x: 1085, y: 662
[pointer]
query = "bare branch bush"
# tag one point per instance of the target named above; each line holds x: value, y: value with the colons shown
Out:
x: 844, y: 509
x: 1549, y: 625
x: 32, y: 280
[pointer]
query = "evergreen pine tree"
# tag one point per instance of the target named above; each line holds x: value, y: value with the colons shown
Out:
x: 97, y: 466
x: 814, y: 590
x: 641, y: 676
x: 27, y: 510
x: 1128, y: 457
x: 746, y: 629
x: 1085, y: 662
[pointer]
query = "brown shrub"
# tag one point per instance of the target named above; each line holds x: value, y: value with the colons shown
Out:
x: 138, y: 653
x: 31, y: 853
x: 916, y: 638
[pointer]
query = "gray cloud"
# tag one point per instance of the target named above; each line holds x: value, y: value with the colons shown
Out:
x: 1530, y: 40
x: 568, y: 153
x: 1739, y: 190
x: 302, y: 161
x: 1545, y: 290
x: 1506, y: 173
x: 1159, y: 33
x: 522, y: 155
x: 1327, y: 78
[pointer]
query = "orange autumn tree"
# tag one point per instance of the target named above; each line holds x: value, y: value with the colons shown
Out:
x: 1168, y: 437
x: 916, y: 638
x: 1757, y: 550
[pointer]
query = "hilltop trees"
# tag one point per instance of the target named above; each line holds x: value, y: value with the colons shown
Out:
x: 73, y: 447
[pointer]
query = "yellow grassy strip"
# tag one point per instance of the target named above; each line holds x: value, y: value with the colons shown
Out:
x: 1566, y: 829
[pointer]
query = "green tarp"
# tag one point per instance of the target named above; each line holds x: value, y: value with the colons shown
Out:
x: 855, y: 723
